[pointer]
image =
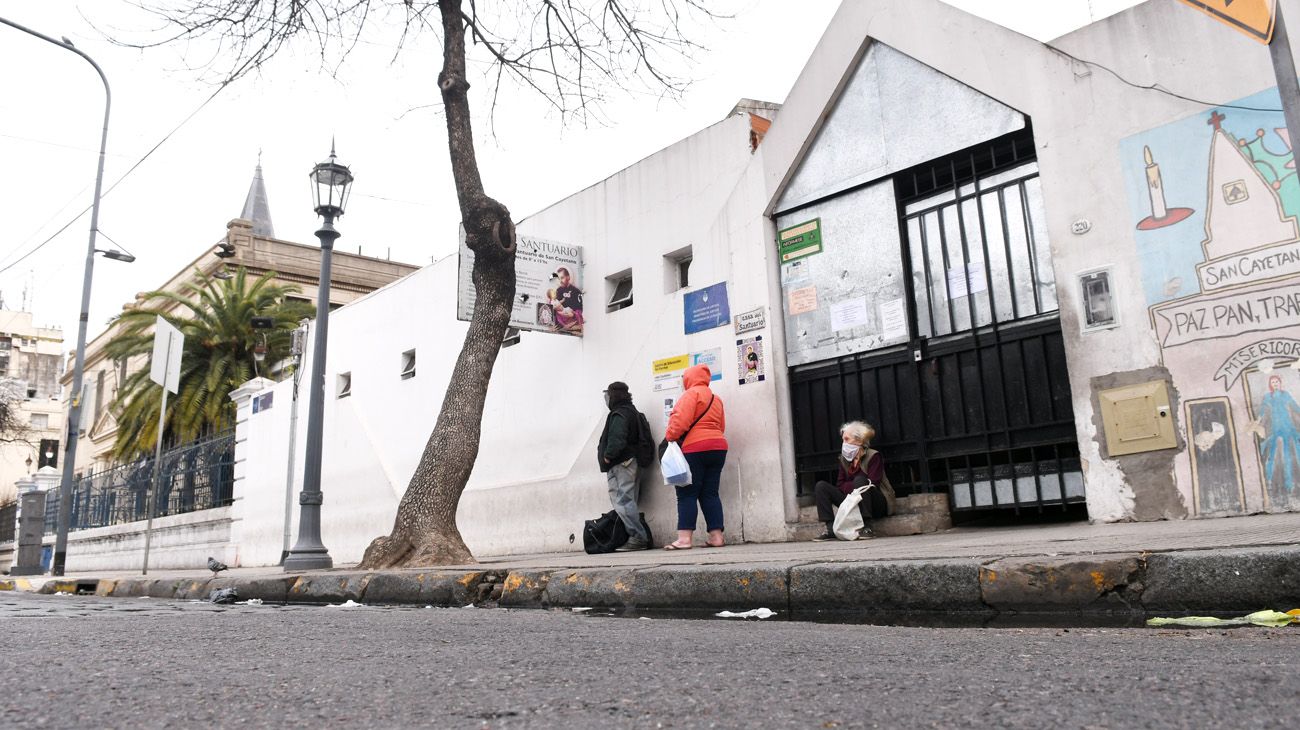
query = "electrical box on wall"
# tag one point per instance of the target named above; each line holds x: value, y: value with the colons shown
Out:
x: 1137, y: 418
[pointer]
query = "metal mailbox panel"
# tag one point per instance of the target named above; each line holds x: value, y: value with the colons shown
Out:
x: 1137, y: 418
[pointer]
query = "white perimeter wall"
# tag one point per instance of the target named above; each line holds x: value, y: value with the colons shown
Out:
x: 178, y: 542
x: 536, y: 478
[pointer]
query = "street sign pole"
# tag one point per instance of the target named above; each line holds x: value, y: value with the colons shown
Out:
x: 165, y: 370
x: 1284, y: 70
x: 151, y: 500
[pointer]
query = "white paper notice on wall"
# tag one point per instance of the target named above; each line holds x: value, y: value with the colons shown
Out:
x: 848, y: 314
x: 893, y: 319
x: 971, y: 283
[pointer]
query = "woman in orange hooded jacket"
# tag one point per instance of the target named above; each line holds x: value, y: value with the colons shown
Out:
x: 698, y: 423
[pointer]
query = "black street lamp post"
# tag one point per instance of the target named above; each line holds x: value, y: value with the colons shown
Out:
x: 330, y: 185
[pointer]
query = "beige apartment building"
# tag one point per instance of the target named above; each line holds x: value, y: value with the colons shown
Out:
x: 31, y: 359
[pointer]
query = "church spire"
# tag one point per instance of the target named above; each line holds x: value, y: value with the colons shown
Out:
x: 256, y: 207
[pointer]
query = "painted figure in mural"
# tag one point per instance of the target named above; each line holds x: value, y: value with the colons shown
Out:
x: 566, y: 299
x: 1280, y: 416
x: 751, y: 360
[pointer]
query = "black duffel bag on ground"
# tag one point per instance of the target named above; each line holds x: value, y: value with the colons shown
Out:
x: 606, y: 533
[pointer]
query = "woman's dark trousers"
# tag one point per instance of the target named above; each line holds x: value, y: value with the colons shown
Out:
x: 706, y: 471
x: 829, y: 496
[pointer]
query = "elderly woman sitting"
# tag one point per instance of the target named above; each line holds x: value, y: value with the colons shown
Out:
x: 859, y: 465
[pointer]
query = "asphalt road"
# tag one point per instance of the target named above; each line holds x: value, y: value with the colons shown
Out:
x: 102, y: 662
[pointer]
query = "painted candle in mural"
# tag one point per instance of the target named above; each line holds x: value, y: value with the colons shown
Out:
x: 1161, y: 214
x: 1223, y: 284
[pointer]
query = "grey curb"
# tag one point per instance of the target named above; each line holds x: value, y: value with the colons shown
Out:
x: 592, y: 587
x: 325, y: 588
x: 886, y: 587
x: 1099, y: 583
x: 712, y: 587
x: 525, y: 589
x: 437, y: 588
x: 1227, y: 580
x: 1246, y: 579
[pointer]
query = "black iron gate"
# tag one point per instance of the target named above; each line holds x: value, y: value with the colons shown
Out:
x: 978, y: 403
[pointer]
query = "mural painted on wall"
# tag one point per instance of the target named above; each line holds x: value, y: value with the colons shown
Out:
x: 1215, y: 199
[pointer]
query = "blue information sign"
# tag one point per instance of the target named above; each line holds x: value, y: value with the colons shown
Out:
x: 706, y: 308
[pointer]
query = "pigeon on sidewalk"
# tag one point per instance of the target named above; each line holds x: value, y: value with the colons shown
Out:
x: 216, y: 566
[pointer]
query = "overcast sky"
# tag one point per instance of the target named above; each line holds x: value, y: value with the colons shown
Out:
x: 175, y: 205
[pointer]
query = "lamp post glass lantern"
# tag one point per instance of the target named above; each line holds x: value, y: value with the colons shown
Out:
x: 331, y: 183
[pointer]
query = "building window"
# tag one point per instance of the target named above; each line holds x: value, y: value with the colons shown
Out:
x: 40, y: 420
x: 49, y: 455
x: 619, y: 289
x: 677, y: 270
x: 408, y: 364
x: 344, y: 385
x: 99, y: 394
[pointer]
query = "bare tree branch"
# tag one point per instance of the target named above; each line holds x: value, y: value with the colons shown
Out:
x: 572, y: 53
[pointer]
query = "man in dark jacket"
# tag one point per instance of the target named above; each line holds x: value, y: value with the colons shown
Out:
x: 616, y: 455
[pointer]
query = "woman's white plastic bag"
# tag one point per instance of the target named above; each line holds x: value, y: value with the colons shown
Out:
x: 848, y: 518
x: 673, y: 463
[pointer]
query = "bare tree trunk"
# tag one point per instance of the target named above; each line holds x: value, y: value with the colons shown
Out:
x: 425, y: 532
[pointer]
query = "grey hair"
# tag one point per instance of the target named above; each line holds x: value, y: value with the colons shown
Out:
x: 860, y: 430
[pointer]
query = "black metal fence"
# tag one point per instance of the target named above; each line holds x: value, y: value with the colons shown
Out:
x: 199, y: 475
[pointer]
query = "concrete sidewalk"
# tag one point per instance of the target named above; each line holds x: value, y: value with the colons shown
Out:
x: 1230, y: 565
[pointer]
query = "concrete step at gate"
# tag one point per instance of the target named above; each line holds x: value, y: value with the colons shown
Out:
x: 913, y: 515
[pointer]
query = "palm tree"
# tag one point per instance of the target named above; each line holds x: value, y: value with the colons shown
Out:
x: 215, y: 315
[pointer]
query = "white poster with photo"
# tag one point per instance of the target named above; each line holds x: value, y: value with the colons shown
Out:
x: 548, y: 286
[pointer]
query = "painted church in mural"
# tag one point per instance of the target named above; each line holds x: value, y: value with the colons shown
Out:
x: 1216, y: 199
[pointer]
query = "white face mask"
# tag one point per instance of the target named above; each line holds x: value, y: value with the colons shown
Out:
x: 849, y: 451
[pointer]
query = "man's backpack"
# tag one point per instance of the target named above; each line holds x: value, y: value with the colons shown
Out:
x: 645, y: 444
